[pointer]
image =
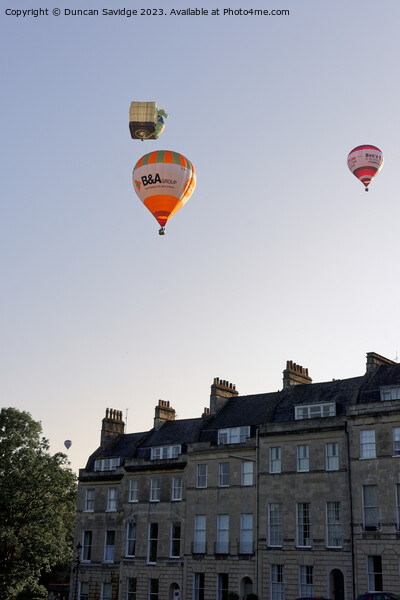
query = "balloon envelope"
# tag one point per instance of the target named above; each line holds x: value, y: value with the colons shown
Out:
x: 164, y: 181
x: 68, y: 444
x: 365, y: 162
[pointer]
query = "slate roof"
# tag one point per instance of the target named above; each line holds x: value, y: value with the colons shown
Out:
x: 384, y: 376
x: 184, y: 431
x: 123, y: 446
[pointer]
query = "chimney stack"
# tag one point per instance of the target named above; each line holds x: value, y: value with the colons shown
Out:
x: 221, y: 391
x: 163, y: 412
x: 294, y: 375
x: 374, y: 361
x: 112, y: 426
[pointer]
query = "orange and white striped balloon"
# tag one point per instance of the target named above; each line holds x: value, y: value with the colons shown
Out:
x: 365, y: 162
x: 164, y: 181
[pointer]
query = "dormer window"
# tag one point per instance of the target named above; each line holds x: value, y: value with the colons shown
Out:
x: 311, y: 411
x: 233, y: 435
x: 106, y: 464
x: 390, y: 393
x: 164, y: 452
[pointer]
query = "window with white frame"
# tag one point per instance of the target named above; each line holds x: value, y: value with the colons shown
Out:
x: 374, y: 570
x: 112, y: 499
x: 275, y: 459
x: 311, y: 411
x: 333, y: 524
x: 247, y: 472
x: 199, y: 540
x: 106, y: 591
x: 176, y: 488
x: 198, y: 586
x: 332, y: 456
x: 153, y: 589
x: 109, y: 546
x: 201, y: 476
x: 367, y: 443
x: 84, y: 590
x: 390, y: 393
x: 175, y: 544
x: 233, y: 435
x: 277, y: 582
x: 154, y: 489
x: 398, y: 505
x: 275, y: 524
x: 303, y: 524
x: 164, y: 452
x: 370, y: 506
x: 130, y: 539
x: 89, y: 500
x: 152, y: 543
x: 131, y: 586
x: 222, y: 546
x: 86, y: 546
x: 223, y: 474
x: 306, y: 577
x: 133, y: 490
x: 303, y: 459
x: 222, y: 586
x: 246, y: 533
x: 396, y: 441
x: 106, y: 464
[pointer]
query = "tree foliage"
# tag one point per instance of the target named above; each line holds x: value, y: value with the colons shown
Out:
x: 37, y: 505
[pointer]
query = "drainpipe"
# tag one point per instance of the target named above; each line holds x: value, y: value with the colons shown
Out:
x: 257, y: 507
x: 351, y: 513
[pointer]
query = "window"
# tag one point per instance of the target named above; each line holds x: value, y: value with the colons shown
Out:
x: 398, y: 505
x: 367, y: 443
x: 106, y: 591
x: 199, y: 542
x: 153, y: 589
x: 396, y: 441
x: 109, y: 546
x: 131, y: 586
x: 303, y: 463
x: 304, y: 524
x: 390, y: 393
x: 306, y: 580
x: 106, y: 464
x: 370, y: 507
x: 223, y: 474
x: 130, y: 539
x: 83, y: 590
x: 332, y: 456
x: 374, y: 570
x: 275, y: 524
x: 86, y: 546
x: 133, y: 490
x: 201, y: 476
x: 233, y: 435
x: 275, y: 465
x: 164, y: 452
x: 154, y: 489
x: 175, y: 550
x: 246, y: 533
x: 222, y: 586
x: 198, y: 586
x: 89, y: 500
x: 247, y: 472
x: 277, y: 582
x: 112, y: 499
x: 176, y: 488
x: 333, y: 524
x: 222, y: 534
x: 152, y: 543
x: 311, y: 411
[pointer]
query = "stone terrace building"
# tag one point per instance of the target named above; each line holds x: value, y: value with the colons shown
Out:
x: 284, y: 494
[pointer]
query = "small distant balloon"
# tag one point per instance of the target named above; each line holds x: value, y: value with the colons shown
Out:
x: 365, y: 162
x: 68, y: 444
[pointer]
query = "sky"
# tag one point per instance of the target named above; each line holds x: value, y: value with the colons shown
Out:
x: 278, y: 255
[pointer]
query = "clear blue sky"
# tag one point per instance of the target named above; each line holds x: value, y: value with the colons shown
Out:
x: 279, y: 254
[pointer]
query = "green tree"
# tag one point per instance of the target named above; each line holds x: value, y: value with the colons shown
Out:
x: 37, y: 506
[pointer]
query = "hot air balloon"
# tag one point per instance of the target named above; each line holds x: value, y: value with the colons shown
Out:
x: 146, y: 121
x: 164, y: 181
x: 365, y: 162
x: 68, y: 444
